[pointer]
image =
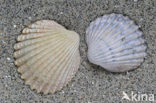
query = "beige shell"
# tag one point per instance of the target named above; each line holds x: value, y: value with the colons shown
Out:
x: 47, y: 56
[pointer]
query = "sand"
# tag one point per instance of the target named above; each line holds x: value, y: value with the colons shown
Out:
x: 92, y: 84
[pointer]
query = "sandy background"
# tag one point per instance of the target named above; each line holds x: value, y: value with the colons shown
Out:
x: 92, y: 84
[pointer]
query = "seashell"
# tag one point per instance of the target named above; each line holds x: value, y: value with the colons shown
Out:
x: 47, y: 56
x: 115, y: 43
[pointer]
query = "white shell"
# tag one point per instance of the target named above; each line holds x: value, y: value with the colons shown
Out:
x: 115, y: 43
x: 47, y: 56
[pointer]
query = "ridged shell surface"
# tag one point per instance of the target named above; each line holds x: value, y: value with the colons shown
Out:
x: 47, y: 56
x: 115, y: 43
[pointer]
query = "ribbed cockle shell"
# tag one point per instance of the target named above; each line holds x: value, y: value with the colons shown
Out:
x: 115, y: 43
x: 47, y: 55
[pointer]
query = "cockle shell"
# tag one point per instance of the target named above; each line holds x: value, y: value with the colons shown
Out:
x: 47, y: 55
x: 115, y: 43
